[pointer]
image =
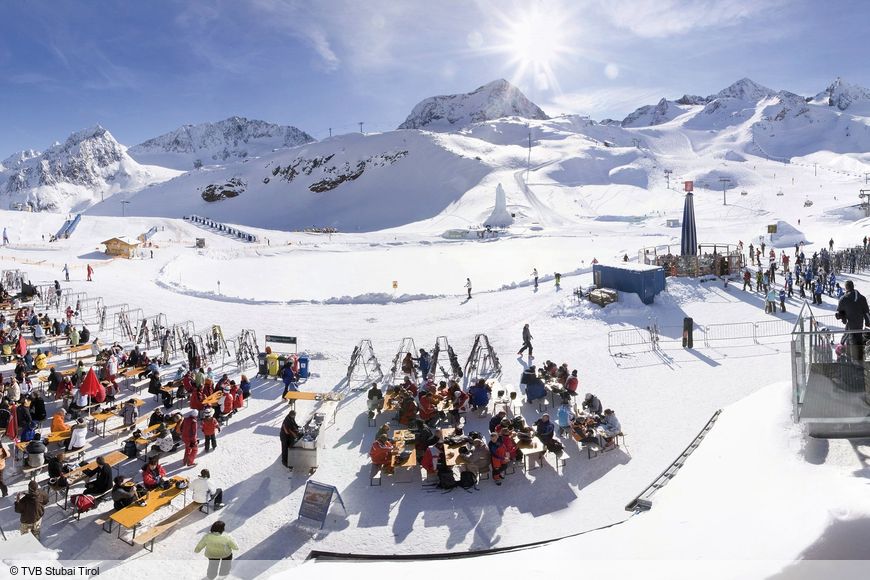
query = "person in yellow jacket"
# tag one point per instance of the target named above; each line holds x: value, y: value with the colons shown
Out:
x: 41, y: 360
x: 219, y: 548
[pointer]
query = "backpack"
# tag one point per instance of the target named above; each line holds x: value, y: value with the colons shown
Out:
x: 84, y: 502
x: 555, y: 446
x: 446, y: 480
x: 130, y: 449
x: 467, y: 480
x: 28, y: 433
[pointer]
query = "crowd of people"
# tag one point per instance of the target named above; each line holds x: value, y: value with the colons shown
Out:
x: 420, y: 407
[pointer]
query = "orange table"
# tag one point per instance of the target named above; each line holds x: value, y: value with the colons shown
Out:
x: 131, y: 516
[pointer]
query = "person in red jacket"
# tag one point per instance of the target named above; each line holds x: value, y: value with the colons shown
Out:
x: 427, y: 407
x: 572, y: 383
x: 382, y: 451
x: 196, y: 399
x: 498, y: 457
x: 189, y: 431
x: 153, y: 473
x: 238, y: 397
x: 229, y: 404
x: 210, y: 427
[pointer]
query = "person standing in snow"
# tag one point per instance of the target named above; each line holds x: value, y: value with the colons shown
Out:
x: 468, y: 287
x: 219, y: 548
x: 747, y: 279
x: 558, y: 279
x: 90, y: 273
x: 527, y: 341
x: 535, y: 276
x: 189, y: 432
x: 852, y: 310
x: 5, y: 237
x: 66, y: 272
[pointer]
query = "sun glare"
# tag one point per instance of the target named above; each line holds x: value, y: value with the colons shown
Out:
x: 534, y: 42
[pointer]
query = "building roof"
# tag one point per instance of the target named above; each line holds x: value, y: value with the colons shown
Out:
x: 124, y: 240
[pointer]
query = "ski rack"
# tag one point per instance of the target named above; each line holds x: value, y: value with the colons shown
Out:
x: 150, y: 329
x: 442, y: 345
x: 47, y: 296
x: 72, y: 300
x: 195, y: 351
x: 90, y: 304
x: 125, y: 322
x: 178, y: 335
x: 482, y: 362
x: 11, y: 280
x: 407, y: 346
x: 107, y: 313
x: 247, y: 350
x: 364, y: 365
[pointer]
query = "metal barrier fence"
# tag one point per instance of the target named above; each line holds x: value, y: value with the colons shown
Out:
x: 625, y: 342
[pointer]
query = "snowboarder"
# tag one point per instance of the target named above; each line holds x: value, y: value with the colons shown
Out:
x: 66, y: 272
x: 527, y: 341
x: 468, y: 287
x: 90, y: 273
x: 535, y: 276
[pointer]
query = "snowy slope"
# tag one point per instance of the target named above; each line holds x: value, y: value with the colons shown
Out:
x: 233, y: 139
x: 90, y: 165
x: 491, y: 101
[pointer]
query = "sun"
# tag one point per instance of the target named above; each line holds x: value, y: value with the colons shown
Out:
x: 535, y: 43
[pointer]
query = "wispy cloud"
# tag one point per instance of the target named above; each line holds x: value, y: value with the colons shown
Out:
x: 605, y: 102
x: 663, y: 18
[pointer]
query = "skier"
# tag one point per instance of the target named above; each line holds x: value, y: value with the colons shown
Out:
x: 527, y: 341
x: 830, y: 242
x: 468, y: 286
x: 5, y: 237
x: 535, y: 276
x: 90, y: 273
x: 66, y: 272
x: 558, y: 279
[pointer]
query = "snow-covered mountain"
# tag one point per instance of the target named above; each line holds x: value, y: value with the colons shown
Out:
x: 844, y: 96
x: 70, y: 176
x: 491, y: 101
x: 226, y: 141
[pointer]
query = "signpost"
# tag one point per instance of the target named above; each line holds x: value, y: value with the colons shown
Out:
x: 316, y: 501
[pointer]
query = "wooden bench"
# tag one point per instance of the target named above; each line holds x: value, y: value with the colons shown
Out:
x: 131, y: 516
x: 375, y: 474
x: 75, y: 350
x: 164, y: 526
x: 32, y: 472
x: 594, y: 450
x: 97, y: 499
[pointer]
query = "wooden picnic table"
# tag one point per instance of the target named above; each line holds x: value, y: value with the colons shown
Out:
x: 150, y: 433
x: 75, y: 350
x: 104, y: 416
x: 131, y: 516
x: 212, y: 400
x: 533, y: 451
x: 113, y: 460
x: 404, y: 472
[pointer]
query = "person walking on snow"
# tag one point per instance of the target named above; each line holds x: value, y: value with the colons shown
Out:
x: 66, y: 272
x: 468, y: 286
x: 527, y: 341
x: 535, y: 276
x: 90, y: 273
x: 5, y: 237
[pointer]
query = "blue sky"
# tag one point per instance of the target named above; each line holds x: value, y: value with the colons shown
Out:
x: 143, y: 68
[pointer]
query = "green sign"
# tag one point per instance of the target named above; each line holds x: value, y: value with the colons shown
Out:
x: 281, y: 339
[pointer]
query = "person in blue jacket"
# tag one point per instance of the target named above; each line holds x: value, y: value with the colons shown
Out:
x: 289, y: 378
x: 479, y: 394
x: 535, y: 389
x: 545, y: 429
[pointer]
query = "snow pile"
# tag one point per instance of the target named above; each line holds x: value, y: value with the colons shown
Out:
x: 231, y: 140
x: 491, y: 101
x: 787, y: 236
x: 500, y: 216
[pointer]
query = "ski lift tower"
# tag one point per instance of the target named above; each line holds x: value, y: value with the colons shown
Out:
x: 864, y: 194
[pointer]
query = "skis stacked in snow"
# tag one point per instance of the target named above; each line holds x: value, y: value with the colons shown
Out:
x: 443, y: 346
x: 364, y: 366
x: 247, y: 350
x: 482, y: 362
x: 406, y: 347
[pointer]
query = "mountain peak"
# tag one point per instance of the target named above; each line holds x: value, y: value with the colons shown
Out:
x: 493, y: 100
x: 745, y: 89
x: 841, y: 94
x: 232, y: 139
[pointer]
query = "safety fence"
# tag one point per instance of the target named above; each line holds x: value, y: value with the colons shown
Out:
x: 626, y: 342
